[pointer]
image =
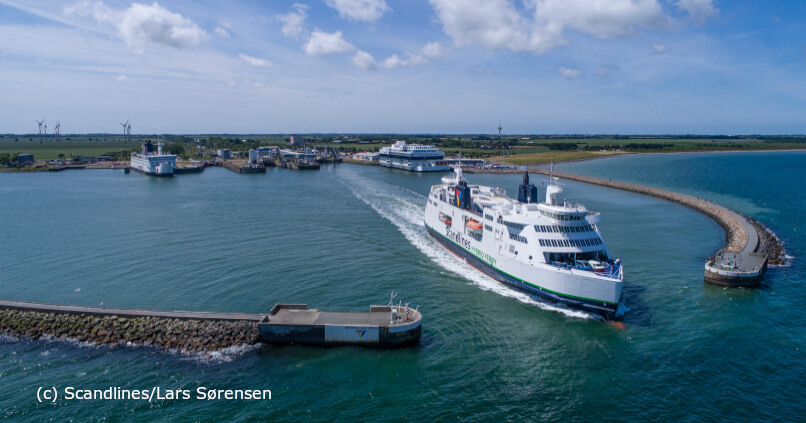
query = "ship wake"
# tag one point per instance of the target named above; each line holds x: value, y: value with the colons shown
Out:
x: 405, y: 209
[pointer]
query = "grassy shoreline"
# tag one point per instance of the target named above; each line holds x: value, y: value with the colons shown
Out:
x: 517, y: 150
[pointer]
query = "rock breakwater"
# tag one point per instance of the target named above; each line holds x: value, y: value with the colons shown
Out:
x: 166, y: 333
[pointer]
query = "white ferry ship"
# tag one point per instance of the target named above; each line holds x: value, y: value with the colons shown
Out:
x: 151, y: 163
x: 553, y: 248
x: 414, y: 157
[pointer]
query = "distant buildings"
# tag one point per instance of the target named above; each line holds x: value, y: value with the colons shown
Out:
x: 23, y: 159
x: 224, y: 153
x: 296, y: 140
x: 365, y: 156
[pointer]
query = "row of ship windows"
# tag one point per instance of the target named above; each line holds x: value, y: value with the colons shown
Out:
x: 563, y: 229
x: 488, y: 228
x: 561, y: 216
x: 518, y: 238
x: 488, y: 217
x: 517, y: 226
x: 570, y: 242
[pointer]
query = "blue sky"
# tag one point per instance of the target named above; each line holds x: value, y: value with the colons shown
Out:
x: 405, y: 66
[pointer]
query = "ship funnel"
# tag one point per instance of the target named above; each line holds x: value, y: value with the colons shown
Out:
x: 527, y: 193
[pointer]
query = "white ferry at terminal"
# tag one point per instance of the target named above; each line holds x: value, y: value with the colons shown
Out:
x: 553, y: 249
x: 150, y: 163
x: 414, y: 157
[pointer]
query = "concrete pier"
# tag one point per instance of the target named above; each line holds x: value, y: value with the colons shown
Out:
x: 739, y: 263
x: 245, y: 168
x: 383, y: 326
x: 192, y: 331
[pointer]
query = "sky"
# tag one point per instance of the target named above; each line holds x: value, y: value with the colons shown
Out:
x: 405, y: 66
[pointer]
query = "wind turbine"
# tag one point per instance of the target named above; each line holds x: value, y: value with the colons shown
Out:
x: 124, y: 127
x: 40, y: 126
x: 46, y: 129
x: 128, y: 129
x: 58, y: 128
x: 499, y: 128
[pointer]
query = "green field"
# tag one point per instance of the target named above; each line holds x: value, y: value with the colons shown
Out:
x: 554, y: 156
x: 50, y: 148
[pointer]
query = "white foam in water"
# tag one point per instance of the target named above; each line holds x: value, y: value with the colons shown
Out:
x: 224, y: 355
x: 405, y: 209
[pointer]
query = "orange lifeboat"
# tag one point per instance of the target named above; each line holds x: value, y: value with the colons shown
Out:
x: 473, y: 224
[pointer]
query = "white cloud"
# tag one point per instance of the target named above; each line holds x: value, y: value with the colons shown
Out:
x: 494, y: 24
x: 434, y: 50
x: 428, y: 51
x: 359, y: 10
x: 255, y: 62
x: 221, y: 32
x: 658, y: 48
x: 393, y: 61
x: 293, y: 20
x: 121, y: 78
x: 698, y: 10
x: 364, y: 61
x: 601, y: 18
x: 541, y: 24
x: 143, y: 24
x: 570, y: 73
x: 322, y: 43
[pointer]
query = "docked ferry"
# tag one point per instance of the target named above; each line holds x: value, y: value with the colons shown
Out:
x: 552, y: 248
x: 150, y: 163
x: 414, y: 157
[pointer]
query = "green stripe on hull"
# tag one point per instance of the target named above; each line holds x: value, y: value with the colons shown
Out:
x: 517, y: 278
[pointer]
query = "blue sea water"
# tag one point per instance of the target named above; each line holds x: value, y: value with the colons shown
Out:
x: 344, y: 237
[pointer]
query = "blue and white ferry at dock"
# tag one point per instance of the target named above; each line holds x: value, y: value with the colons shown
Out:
x: 153, y: 163
x: 553, y: 249
x: 414, y: 157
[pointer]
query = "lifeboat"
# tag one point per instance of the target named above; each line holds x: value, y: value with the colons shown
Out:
x: 444, y: 218
x: 473, y: 225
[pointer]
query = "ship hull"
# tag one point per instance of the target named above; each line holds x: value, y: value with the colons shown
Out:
x: 144, y: 172
x: 606, y: 310
x: 415, y: 166
x: 151, y: 164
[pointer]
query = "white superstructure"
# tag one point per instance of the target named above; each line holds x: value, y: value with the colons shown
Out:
x: 151, y: 163
x: 551, y: 248
x: 415, y: 157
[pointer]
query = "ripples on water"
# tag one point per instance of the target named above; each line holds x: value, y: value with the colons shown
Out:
x: 345, y: 237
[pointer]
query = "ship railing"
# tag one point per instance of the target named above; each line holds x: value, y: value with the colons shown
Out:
x: 613, y: 271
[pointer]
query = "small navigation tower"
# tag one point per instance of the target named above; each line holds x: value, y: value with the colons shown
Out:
x: 392, y: 296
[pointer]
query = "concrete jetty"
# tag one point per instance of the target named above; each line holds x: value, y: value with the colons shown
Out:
x: 244, y: 167
x: 383, y: 326
x: 193, y: 331
x: 739, y: 263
